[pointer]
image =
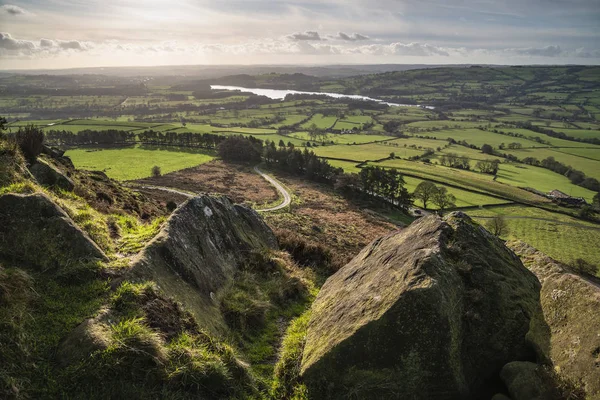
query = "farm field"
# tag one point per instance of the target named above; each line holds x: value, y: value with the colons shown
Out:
x: 321, y: 121
x: 360, y: 152
x: 559, y: 236
x: 540, y: 179
x: 465, y: 179
x: 135, y: 162
x: 464, y: 198
x: 589, y: 166
x: 349, y: 138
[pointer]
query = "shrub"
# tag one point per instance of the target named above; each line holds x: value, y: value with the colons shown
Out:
x: 304, y: 253
x: 30, y: 140
x: 171, y: 206
x: 156, y: 171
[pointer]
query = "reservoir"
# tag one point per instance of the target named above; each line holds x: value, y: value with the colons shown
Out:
x: 280, y: 94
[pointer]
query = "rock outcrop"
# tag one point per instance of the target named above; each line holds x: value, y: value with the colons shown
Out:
x: 528, y: 381
x: 47, y: 175
x: 432, y: 312
x: 571, y: 308
x: 198, y: 251
x: 33, y: 229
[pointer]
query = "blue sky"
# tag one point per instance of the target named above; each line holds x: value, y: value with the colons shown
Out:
x: 78, y: 33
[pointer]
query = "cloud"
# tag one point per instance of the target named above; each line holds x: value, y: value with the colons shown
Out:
x: 548, y: 51
x: 13, y: 10
x: 7, y: 42
x: 308, y: 35
x: 417, y: 49
x: 351, y: 38
x: 9, y: 46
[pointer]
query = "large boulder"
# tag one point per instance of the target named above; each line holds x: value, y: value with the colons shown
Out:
x: 196, y: 254
x: 33, y: 229
x: 47, y: 175
x: 571, y: 310
x: 431, y: 312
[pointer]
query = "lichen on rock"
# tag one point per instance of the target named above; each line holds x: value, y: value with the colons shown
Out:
x: 199, y: 250
x: 433, y: 311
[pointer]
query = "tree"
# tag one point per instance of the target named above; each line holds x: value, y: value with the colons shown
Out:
x: 392, y: 155
x: 583, y: 267
x: 425, y: 191
x: 443, y: 199
x: 241, y: 149
x: 156, y: 171
x: 487, y: 149
x: 391, y: 126
x: 586, y: 212
x: 497, y: 226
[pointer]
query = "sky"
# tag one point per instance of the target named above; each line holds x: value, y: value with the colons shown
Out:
x: 44, y: 34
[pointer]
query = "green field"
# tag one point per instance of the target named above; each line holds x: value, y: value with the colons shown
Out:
x: 135, y: 162
x: 359, y: 152
x: 349, y: 138
x: 320, y: 121
x: 541, y: 179
x: 552, y: 235
x: 464, y: 179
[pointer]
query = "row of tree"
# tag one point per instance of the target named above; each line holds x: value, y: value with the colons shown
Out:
x: 150, y: 137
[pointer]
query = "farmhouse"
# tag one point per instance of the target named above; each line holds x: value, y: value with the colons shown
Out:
x: 565, y: 199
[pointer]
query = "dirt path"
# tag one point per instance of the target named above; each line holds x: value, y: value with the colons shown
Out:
x: 170, y: 190
x: 287, y: 198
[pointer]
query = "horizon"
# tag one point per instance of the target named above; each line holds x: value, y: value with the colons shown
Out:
x: 120, y: 33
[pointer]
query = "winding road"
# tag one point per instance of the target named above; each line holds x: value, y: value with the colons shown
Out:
x: 287, y: 198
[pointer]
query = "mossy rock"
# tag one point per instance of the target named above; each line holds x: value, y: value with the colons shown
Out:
x: 431, y: 312
x: 199, y: 250
x: 47, y: 175
x: 33, y: 229
x: 571, y: 314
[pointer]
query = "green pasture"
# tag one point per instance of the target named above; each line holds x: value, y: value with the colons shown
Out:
x: 321, y: 121
x: 559, y: 236
x: 465, y: 179
x: 541, y: 179
x: 590, y: 167
x: 136, y: 162
x: 360, y: 152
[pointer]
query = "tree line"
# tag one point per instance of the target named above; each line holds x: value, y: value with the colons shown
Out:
x: 150, y: 137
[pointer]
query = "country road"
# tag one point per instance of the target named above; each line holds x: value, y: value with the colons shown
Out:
x: 287, y: 198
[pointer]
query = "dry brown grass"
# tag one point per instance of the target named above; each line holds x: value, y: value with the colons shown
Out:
x: 238, y: 182
x: 324, y: 218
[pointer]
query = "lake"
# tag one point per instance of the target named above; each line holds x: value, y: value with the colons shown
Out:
x: 280, y: 94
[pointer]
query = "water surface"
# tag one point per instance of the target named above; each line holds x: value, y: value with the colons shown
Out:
x: 279, y: 94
